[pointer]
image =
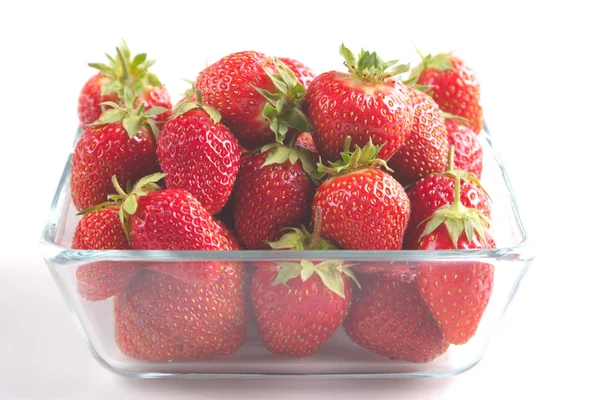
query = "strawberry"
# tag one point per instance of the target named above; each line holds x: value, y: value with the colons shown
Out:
x: 453, y: 85
x: 108, y: 85
x: 199, y: 154
x: 457, y: 292
x: 158, y: 318
x: 305, y: 141
x: 91, y: 98
x: 363, y: 207
x: 279, y: 174
x: 304, y: 74
x: 120, y: 143
x: 436, y: 190
x: 389, y: 317
x: 468, y: 153
x: 298, y: 306
x: 367, y: 103
x: 156, y: 96
x: 425, y: 151
x: 100, y: 229
x: 256, y: 96
x: 171, y: 219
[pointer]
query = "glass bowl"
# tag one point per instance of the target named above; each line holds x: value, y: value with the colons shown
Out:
x: 339, y: 356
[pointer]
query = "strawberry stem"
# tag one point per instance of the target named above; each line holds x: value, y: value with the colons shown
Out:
x: 451, y: 158
x: 456, y: 204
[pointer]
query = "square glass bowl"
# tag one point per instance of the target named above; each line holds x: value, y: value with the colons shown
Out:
x: 339, y: 356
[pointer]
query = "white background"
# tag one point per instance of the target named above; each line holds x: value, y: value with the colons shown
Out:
x: 538, y: 67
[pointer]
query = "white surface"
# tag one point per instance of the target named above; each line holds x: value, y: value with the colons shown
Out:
x: 538, y: 69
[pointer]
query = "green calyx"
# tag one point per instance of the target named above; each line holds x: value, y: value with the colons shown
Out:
x: 196, y: 104
x: 440, y: 62
x: 125, y: 71
x: 279, y: 154
x: 369, y: 67
x: 283, y: 111
x: 301, y: 239
x: 360, y: 158
x: 133, y: 118
x: 330, y: 272
x: 458, y: 219
x: 459, y: 119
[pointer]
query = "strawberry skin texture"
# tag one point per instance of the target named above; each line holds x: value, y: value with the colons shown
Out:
x: 159, y: 318
x: 434, y: 191
x: 304, y: 74
x: 457, y: 293
x: 425, y: 151
x: 363, y: 210
x: 468, y: 153
x: 289, y: 191
x: 104, y: 151
x: 199, y: 156
x: 339, y: 107
x: 173, y: 219
x: 389, y: 317
x: 156, y: 96
x: 102, y: 230
x: 456, y: 91
x: 229, y: 85
x: 90, y: 97
x: 297, y: 318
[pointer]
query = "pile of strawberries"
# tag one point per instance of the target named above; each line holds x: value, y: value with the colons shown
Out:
x: 262, y: 153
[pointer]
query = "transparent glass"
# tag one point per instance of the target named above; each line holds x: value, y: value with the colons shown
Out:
x: 339, y: 356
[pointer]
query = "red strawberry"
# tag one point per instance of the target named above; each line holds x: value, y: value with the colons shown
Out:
x: 159, y: 318
x: 101, y: 229
x: 425, y: 151
x: 273, y: 191
x: 89, y: 106
x: 468, y: 153
x: 156, y: 96
x: 304, y: 74
x: 364, y: 208
x: 453, y: 85
x: 457, y: 292
x: 121, y: 72
x: 389, y: 317
x: 306, y: 142
x: 199, y: 155
x: 120, y: 143
x: 231, y: 239
x: 246, y: 88
x: 365, y: 104
x: 436, y: 190
x: 298, y: 306
x: 171, y: 219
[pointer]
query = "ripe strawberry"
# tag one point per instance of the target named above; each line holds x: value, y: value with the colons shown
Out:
x: 156, y: 96
x: 457, y: 292
x: 90, y: 101
x: 273, y: 191
x: 199, y: 154
x: 101, y: 229
x: 120, y: 143
x: 306, y: 142
x: 298, y: 306
x: 364, y: 208
x: 246, y: 88
x: 108, y: 85
x: 453, y: 85
x: 436, y: 190
x: 366, y: 104
x: 170, y: 219
x: 304, y: 74
x: 425, y: 151
x: 158, y: 318
x: 389, y: 317
x: 468, y: 153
